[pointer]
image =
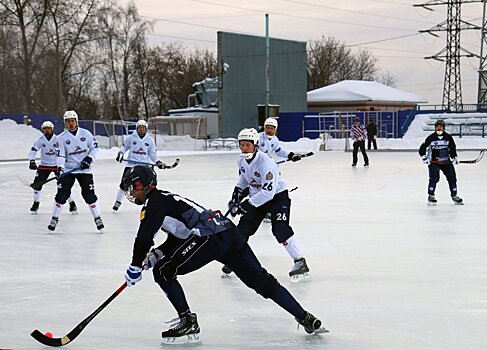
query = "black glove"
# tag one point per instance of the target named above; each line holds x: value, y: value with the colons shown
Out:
x: 245, y: 207
x: 119, y: 157
x: 237, y: 195
x: 293, y: 157
x: 59, y: 172
x: 32, y: 165
x: 160, y: 164
x: 85, y: 163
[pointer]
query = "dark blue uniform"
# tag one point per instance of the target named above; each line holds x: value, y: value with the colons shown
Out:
x: 197, y: 236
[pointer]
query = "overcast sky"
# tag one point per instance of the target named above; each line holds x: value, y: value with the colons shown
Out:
x: 371, y: 24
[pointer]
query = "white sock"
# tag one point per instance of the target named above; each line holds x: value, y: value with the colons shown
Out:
x: 120, y: 195
x: 95, y: 211
x: 56, y: 210
x: 37, y: 196
x: 292, y: 248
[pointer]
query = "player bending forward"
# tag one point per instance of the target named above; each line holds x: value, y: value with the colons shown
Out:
x: 195, y: 237
x: 260, y: 177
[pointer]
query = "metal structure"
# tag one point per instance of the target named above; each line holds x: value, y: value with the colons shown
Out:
x: 452, y: 87
x: 482, y: 93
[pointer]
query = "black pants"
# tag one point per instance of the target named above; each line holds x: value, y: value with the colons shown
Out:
x: 279, y: 208
x: 371, y: 140
x: 66, y: 182
x: 356, y: 146
x: 434, y: 176
x: 41, y: 175
x: 230, y: 248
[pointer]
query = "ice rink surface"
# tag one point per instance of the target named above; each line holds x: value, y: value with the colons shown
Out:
x: 388, y: 272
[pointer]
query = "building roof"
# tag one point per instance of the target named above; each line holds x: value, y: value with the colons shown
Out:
x: 358, y: 90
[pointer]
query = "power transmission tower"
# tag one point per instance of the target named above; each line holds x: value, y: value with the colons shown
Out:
x: 482, y: 93
x: 452, y: 87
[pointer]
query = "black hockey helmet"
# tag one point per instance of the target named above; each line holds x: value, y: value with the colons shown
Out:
x: 138, y: 178
x: 440, y: 122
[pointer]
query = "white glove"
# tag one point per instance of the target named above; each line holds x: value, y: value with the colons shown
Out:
x: 425, y: 159
x: 133, y: 275
x: 152, y: 258
x: 455, y: 160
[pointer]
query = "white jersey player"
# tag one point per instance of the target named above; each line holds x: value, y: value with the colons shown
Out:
x: 77, y: 150
x: 141, y: 151
x: 46, y: 145
x: 269, y: 143
x: 267, y: 194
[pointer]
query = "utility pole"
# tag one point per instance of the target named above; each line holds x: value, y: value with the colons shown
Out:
x: 482, y: 92
x: 451, y: 53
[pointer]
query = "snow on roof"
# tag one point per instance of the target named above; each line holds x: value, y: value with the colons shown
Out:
x: 358, y: 90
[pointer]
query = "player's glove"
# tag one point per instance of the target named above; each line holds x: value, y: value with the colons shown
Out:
x: 59, y: 171
x: 152, y: 258
x: 294, y: 157
x: 237, y: 195
x: 32, y: 165
x: 425, y: 159
x: 455, y: 161
x: 160, y: 164
x: 245, y: 207
x: 119, y: 157
x: 133, y: 275
x: 85, y: 163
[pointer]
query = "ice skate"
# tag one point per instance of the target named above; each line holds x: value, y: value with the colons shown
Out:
x: 53, y: 224
x: 34, y: 208
x: 300, y: 271
x: 366, y: 165
x: 99, y: 224
x: 184, y: 330
x: 73, y: 209
x: 312, y: 325
x: 267, y: 218
x: 432, y: 200
x: 116, y: 206
x: 457, y: 200
x: 226, y: 271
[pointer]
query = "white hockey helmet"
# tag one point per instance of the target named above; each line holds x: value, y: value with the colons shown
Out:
x: 250, y: 135
x: 269, y: 132
x: 271, y: 121
x: 47, y: 124
x: 70, y: 115
x: 141, y: 123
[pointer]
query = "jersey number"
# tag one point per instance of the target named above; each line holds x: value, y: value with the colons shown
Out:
x: 267, y: 186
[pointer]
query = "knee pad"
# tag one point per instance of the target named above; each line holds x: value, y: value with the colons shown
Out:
x: 89, y: 197
x: 61, y: 197
x: 163, y: 271
x: 282, y: 232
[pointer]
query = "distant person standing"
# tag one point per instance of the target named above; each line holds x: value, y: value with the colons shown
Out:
x: 439, y: 152
x: 46, y: 145
x: 358, y: 133
x: 371, y: 134
x: 77, y: 150
x: 142, y: 149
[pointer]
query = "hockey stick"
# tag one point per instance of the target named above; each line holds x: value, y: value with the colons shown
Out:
x: 41, y: 183
x: 165, y: 166
x: 473, y: 161
x: 44, y: 339
x: 309, y: 154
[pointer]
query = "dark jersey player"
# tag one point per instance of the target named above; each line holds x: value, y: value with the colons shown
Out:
x: 195, y: 237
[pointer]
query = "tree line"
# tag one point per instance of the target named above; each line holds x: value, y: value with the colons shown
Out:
x: 92, y: 56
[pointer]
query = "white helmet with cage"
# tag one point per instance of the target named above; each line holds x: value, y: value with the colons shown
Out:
x: 47, y: 124
x: 250, y: 135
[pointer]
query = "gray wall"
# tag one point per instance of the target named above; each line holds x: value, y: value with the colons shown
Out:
x: 242, y: 87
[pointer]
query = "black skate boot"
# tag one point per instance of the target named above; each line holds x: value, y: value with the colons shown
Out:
x: 116, y: 206
x: 53, y: 224
x: 432, y: 200
x: 73, y: 209
x: 99, y: 224
x: 184, y: 330
x: 300, y: 271
x: 312, y: 325
x: 226, y: 271
x: 457, y: 200
x: 34, y: 208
